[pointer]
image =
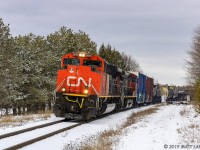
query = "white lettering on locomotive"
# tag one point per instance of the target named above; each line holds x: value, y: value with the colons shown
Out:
x: 78, y: 81
x: 71, y: 70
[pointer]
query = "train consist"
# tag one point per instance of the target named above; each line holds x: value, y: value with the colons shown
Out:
x: 88, y: 86
x: 170, y: 94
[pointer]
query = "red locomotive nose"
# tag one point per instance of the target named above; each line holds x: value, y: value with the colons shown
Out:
x: 78, y: 80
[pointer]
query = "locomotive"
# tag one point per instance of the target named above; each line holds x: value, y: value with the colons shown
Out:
x: 87, y: 86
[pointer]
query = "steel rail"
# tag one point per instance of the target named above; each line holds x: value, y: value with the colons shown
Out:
x: 23, y: 144
x: 29, y: 129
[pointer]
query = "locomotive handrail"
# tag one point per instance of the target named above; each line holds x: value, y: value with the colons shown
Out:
x: 59, y: 85
x: 54, y: 92
x: 95, y: 89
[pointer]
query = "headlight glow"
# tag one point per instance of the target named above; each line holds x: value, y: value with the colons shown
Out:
x: 63, y: 89
x: 85, y: 91
x: 81, y: 55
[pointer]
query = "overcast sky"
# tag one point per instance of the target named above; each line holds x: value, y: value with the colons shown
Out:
x: 155, y: 32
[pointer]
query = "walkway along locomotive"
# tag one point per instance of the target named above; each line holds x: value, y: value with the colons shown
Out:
x: 87, y: 86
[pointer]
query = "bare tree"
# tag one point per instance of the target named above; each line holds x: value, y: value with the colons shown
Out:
x: 129, y: 63
x: 193, y: 65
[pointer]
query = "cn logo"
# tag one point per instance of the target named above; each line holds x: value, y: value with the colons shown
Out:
x: 78, y: 81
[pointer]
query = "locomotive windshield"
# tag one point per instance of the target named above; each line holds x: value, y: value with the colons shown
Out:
x: 92, y: 63
x: 71, y: 61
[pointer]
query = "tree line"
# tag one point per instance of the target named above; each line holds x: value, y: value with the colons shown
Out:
x: 193, y: 66
x: 29, y: 64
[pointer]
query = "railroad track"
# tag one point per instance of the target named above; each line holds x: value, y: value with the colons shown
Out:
x: 42, y: 137
x: 29, y: 129
x: 39, y: 138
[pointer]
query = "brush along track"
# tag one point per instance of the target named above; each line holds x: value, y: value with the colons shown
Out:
x: 29, y: 129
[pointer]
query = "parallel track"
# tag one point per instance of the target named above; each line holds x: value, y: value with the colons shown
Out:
x: 29, y: 129
x: 29, y: 142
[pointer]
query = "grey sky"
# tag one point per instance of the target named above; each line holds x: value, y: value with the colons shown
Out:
x: 155, y: 32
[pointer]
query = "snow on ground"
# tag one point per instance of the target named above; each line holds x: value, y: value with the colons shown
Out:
x: 14, y: 140
x: 79, y: 133
x: 4, y: 130
x: 170, y: 125
x: 166, y: 128
x: 3, y: 111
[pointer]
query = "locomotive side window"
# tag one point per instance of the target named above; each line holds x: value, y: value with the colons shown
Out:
x: 71, y: 61
x: 92, y: 63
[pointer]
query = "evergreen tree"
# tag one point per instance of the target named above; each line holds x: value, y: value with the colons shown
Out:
x: 7, y: 69
x: 30, y: 51
x: 101, y: 51
x: 65, y: 41
x: 118, y: 59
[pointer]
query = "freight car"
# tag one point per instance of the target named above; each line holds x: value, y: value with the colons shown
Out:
x: 87, y: 86
x: 157, y: 90
x: 175, y: 94
x: 144, y: 89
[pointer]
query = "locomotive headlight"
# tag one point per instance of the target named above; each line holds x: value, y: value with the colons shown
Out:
x: 63, y: 89
x: 81, y: 55
x: 85, y: 91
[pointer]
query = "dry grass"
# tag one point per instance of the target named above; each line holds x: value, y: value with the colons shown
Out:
x: 106, y: 139
x: 190, y: 134
x: 13, y: 121
x: 193, y: 126
x: 196, y: 106
x: 184, y: 112
x: 178, y: 130
x: 44, y: 114
x: 102, y: 141
x: 161, y: 104
x: 135, y: 117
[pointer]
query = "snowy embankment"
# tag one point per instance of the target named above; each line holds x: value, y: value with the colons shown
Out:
x: 150, y: 127
x: 167, y: 125
x: 171, y: 126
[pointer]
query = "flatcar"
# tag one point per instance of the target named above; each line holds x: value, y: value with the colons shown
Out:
x: 87, y: 86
